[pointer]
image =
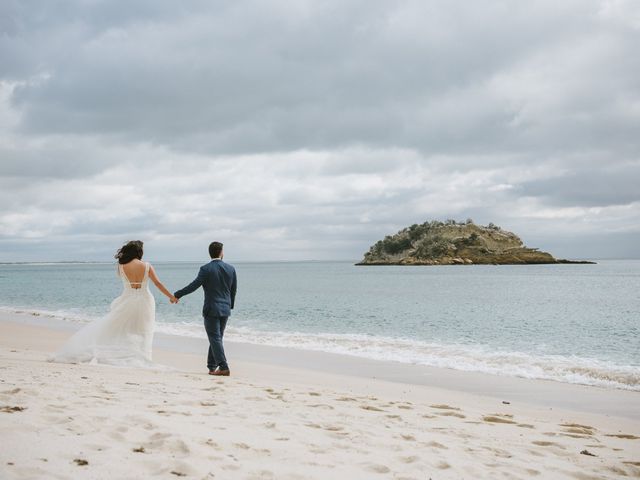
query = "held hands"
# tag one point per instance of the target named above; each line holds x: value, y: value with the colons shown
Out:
x: 173, y: 299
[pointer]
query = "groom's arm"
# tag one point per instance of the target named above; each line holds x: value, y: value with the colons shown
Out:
x: 234, y: 287
x: 193, y: 286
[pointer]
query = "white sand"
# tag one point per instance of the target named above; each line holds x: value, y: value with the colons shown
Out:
x: 269, y: 421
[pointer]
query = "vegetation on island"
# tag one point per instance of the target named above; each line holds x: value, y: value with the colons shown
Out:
x: 451, y: 242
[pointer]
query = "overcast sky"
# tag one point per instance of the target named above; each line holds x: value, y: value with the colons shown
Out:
x: 311, y: 129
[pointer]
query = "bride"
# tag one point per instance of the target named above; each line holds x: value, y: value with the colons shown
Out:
x: 124, y: 336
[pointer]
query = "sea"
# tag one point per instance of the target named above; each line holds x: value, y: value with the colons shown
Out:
x: 569, y: 323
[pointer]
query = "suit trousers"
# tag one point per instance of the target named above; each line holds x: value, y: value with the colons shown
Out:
x: 215, y: 331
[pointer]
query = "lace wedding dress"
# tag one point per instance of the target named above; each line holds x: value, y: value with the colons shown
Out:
x: 124, y: 336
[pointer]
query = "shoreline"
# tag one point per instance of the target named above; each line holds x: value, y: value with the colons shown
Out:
x: 574, y: 370
x: 439, y: 263
x: 534, y: 392
x: 286, y: 415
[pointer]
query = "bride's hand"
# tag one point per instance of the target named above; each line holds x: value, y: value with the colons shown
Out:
x: 173, y: 299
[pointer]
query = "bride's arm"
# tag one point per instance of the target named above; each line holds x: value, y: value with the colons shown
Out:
x: 154, y: 278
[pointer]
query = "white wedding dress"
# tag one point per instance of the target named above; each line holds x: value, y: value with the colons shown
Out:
x: 124, y: 336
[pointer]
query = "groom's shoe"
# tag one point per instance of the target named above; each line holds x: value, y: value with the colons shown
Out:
x: 220, y: 373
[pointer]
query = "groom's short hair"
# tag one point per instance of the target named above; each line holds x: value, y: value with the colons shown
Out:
x: 215, y: 249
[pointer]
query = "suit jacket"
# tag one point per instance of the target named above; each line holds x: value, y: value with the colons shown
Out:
x: 218, y: 279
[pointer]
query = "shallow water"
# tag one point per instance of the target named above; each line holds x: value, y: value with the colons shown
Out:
x: 572, y: 323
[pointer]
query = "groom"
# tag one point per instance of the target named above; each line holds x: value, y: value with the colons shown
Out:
x: 218, y: 279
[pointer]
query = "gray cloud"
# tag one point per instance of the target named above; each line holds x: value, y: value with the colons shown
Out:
x: 604, y: 186
x: 310, y: 130
x: 263, y: 77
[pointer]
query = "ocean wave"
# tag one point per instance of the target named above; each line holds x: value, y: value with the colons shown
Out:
x: 66, y: 315
x: 471, y: 358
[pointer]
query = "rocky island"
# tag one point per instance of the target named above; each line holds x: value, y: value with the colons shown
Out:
x: 454, y: 243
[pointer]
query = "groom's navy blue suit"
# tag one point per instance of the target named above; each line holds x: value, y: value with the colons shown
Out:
x: 219, y: 282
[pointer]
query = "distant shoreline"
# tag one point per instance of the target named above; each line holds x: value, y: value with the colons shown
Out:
x: 416, y: 264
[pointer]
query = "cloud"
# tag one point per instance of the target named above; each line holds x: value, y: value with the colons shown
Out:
x: 311, y: 130
x: 260, y: 77
x: 601, y: 186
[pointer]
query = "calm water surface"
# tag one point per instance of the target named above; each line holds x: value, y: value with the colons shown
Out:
x: 572, y: 323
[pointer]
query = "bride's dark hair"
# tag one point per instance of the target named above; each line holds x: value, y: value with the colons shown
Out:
x: 129, y: 251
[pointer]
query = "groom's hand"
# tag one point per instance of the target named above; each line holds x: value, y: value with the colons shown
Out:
x: 173, y: 299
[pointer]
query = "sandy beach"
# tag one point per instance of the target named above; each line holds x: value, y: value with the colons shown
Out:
x: 284, y: 414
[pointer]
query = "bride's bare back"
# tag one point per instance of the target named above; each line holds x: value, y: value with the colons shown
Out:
x: 135, y: 272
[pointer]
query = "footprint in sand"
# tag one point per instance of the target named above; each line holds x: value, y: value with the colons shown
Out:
x: 498, y: 452
x: 576, y: 430
x: 618, y: 471
x: 410, y: 459
x: 544, y: 443
x: 181, y: 469
x: 444, y: 407
x: 178, y: 446
x: 317, y: 449
x: 116, y: 436
x: 451, y: 414
x: 11, y: 392
x: 536, y: 453
x: 624, y: 436
x: 333, y: 428
x: 376, y: 468
x: 440, y: 446
x: 498, y: 418
x: 10, y: 409
x: 371, y: 408
x: 53, y: 420
x: 157, y: 439
x: 261, y: 474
